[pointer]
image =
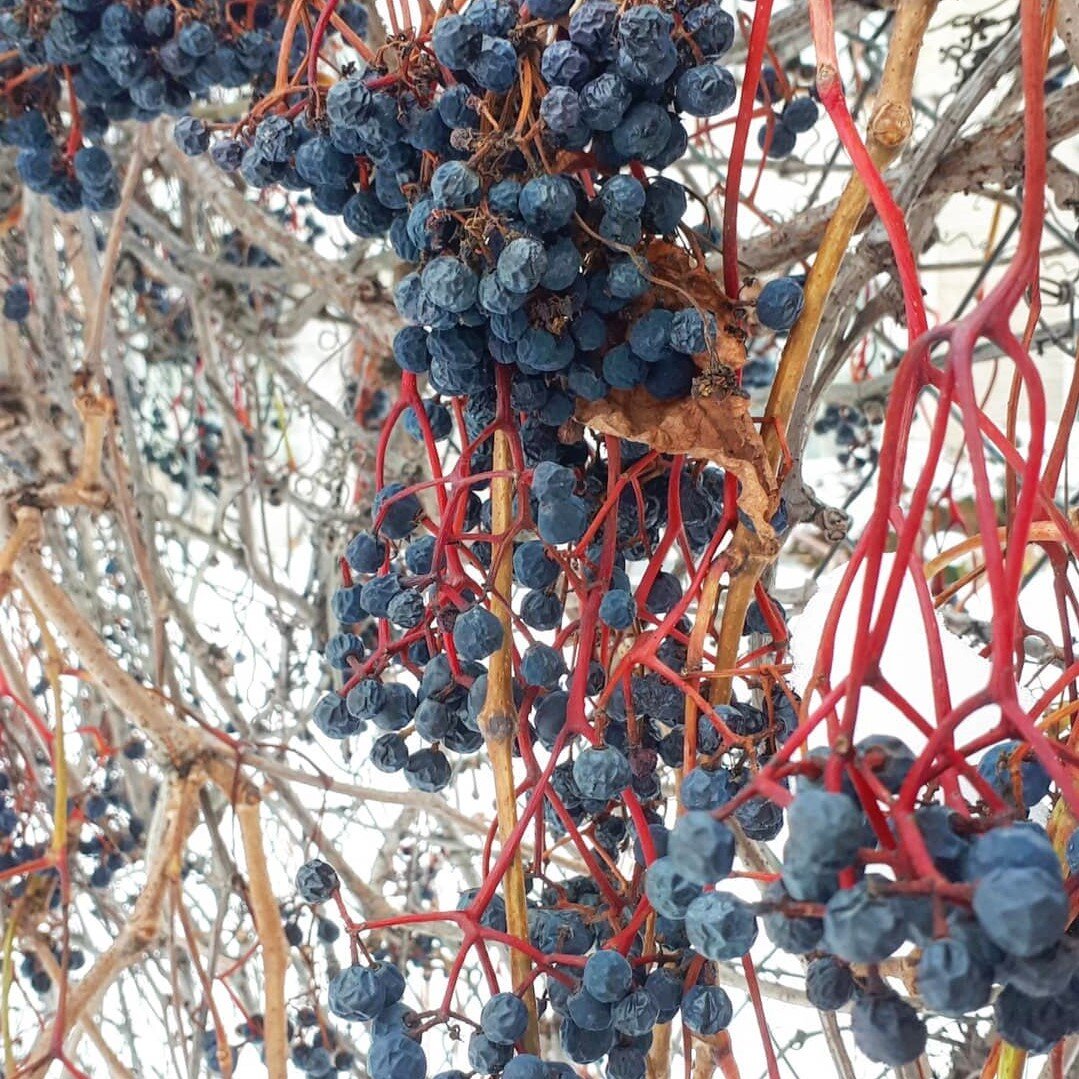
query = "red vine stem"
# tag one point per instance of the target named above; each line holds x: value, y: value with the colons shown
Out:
x: 758, y: 40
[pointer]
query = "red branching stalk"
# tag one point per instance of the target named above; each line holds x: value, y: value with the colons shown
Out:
x: 758, y: 39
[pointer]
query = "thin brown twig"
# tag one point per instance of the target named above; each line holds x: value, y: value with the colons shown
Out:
x: 95, y: 332
x: 142, y: 928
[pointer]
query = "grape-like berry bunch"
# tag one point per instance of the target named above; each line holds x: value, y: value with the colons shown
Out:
x: 110, y: 62
x: 545, y: 587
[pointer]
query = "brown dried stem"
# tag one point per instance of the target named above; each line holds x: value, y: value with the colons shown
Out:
x: 247, y: 804
x: 86, y: 489
x: 144, y: 707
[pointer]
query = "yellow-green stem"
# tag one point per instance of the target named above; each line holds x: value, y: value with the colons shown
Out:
x: 498, y: 723
x: 6, y: 976
x: 1012, y: 1062
x: 59, y: 764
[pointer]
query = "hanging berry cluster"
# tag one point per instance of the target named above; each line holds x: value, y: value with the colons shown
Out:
x: 548, y: 596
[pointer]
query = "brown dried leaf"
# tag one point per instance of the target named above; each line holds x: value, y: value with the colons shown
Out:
x: 714, y: 428
x: 710, y: 428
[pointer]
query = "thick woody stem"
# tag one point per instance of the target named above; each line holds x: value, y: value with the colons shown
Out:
x: 142, y: 706
x: 498, y: 723
x: 735, y: 604
x: 889, y: 129
x: 27, y: 527
x: 268, y: 924
x: 96, y: 411
x: 704, y: 1063
x: 659, y: 1056
x: 703, y: 624
x: 1012, y: 1062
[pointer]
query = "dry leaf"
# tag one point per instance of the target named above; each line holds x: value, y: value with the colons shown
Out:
x: 715, y: 428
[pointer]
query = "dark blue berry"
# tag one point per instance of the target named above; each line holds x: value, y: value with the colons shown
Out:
x: 316, y: 881
x: 780, y: 303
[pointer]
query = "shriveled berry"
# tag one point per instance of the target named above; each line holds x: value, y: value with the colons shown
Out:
x: 316, y: 881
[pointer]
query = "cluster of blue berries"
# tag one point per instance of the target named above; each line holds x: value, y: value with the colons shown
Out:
x: 541, y: 258
x: 300, y: 931
x: 996, y: 914
x: 319, y: 1059
x: 990, y: 925
x: 180, y: 427
x: 397, y: 571
x: 33, y: 973
x: 115, y: 832
x: 852, y: 431
x: 607, y: 1009
x: 124, y: 60
x: 317, y: 1050
x: 778, y: 137
x: 568, y: 288
x: 111, y: 837
x: 106, y: 835
x: 399, y: 587
x: 516, y: 264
